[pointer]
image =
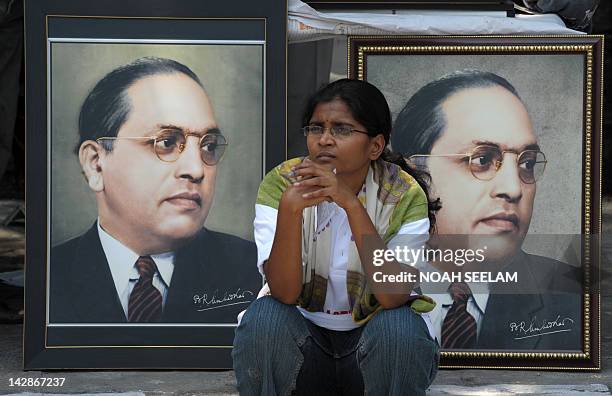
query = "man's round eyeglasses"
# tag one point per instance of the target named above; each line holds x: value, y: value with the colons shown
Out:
x: 485, y: 161
x: 340, y: 131
x: 168, y: 144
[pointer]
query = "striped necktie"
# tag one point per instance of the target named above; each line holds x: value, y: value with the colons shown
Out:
x: 145, y: 303
x: 459, y: 327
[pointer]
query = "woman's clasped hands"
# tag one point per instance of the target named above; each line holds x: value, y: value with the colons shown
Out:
x: 315, y: 183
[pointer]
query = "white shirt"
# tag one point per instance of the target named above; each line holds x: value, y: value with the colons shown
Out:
x: 336, y: 313
x: 122, y: 263
x: 476, y: 305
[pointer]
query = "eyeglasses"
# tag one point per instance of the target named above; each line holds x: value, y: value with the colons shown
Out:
x: 340, y: 131
x: 168, y: 144
x: 485, y: 161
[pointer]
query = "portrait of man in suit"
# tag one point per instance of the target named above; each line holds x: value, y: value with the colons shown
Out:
x: 472, y: 132
x: 149, y: 149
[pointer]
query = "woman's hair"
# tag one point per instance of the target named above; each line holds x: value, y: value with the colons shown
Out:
x: 369, y: 107
x: 421, y: 121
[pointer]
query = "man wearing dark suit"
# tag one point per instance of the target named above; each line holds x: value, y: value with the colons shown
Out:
x: 149, y: 148
x: 471, y: 131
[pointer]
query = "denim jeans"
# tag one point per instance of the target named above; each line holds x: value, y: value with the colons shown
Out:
x: 393, y: 352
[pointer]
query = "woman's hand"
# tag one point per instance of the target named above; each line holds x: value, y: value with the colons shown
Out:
x: 319, y: 183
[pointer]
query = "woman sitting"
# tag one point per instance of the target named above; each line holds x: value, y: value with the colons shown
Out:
x: 325, y: 327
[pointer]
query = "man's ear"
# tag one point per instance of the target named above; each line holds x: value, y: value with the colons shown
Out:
x: 90, y: 157
x: 377, y: 145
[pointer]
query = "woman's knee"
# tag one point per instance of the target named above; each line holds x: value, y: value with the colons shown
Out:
x: 396, y: 342
x: 398, y: 328
x: 266, y: 352
x: 268, y: 321
x: 402, y: 316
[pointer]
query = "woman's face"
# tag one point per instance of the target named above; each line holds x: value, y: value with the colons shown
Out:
x: 349, y: 155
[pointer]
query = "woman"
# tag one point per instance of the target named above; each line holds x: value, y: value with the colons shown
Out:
x: 318, y: 221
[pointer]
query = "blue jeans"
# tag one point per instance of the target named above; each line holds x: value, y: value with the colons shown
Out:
x: 393, y: 353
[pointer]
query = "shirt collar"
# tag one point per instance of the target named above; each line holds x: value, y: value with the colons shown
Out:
x: 480, y: 299
x: 122, y: 261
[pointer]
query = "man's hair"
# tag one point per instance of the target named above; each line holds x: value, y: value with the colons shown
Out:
x: 421, y: 121
x: 107, y: 106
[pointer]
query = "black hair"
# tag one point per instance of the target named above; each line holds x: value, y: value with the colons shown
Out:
x: 369, y: 107
x: 107, y: 106
x: 421, y: 121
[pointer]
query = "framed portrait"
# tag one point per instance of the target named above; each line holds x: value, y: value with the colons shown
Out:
x: 150, y: 126
x: 509, y: 130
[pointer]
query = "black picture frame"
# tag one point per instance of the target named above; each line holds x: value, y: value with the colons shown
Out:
x: 400, y: 65
x: 157, y: 346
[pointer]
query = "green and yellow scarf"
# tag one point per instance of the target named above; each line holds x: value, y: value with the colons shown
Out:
x: 391, y: 197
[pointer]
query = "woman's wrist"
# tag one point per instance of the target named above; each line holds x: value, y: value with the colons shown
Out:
x: 286, y: 206
x: 352, y: 206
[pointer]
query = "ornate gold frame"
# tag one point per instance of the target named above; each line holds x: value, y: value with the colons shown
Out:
x: 591, y: 46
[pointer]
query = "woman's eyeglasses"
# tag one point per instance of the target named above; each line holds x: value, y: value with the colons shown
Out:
x: 340, y: 131
x: 485, y: 161
x: 168, y: 144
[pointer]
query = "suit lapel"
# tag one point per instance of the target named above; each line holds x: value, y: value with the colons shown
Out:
x: 179, y: 303
x: 94, y: 295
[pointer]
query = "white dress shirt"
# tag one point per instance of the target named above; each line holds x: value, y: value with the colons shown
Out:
x: 476, y: 305
x: 122, y: 263
x: 336, y: 313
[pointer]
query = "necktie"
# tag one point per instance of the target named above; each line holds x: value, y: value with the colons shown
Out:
x: 459, y: 327
x: 145, y: 303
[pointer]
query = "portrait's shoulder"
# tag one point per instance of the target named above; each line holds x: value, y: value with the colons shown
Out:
x: 214, y: 248
x: 64, y: 251
x: 223, y: 245
x: 557, y: 274
x: 549, y: 263
x: 66, y: 247
x: 225, y: 240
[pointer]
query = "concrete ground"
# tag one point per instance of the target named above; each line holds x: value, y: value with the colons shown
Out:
x: 137, y: 383
x: 448, y: 382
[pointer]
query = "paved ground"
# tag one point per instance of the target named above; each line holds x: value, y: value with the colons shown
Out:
x: 136, y: 383
x: 448, y: 382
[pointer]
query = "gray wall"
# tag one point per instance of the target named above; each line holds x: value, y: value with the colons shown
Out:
x: 233, y: 78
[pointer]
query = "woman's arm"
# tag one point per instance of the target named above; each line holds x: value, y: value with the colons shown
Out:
x: 326, y: 184
x: 283, y: 269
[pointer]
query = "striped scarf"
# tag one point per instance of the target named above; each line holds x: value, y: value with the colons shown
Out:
x: 391, y: 197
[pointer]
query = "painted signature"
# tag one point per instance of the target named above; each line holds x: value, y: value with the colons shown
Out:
x: 217, y: 300
x: 536, y: 328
